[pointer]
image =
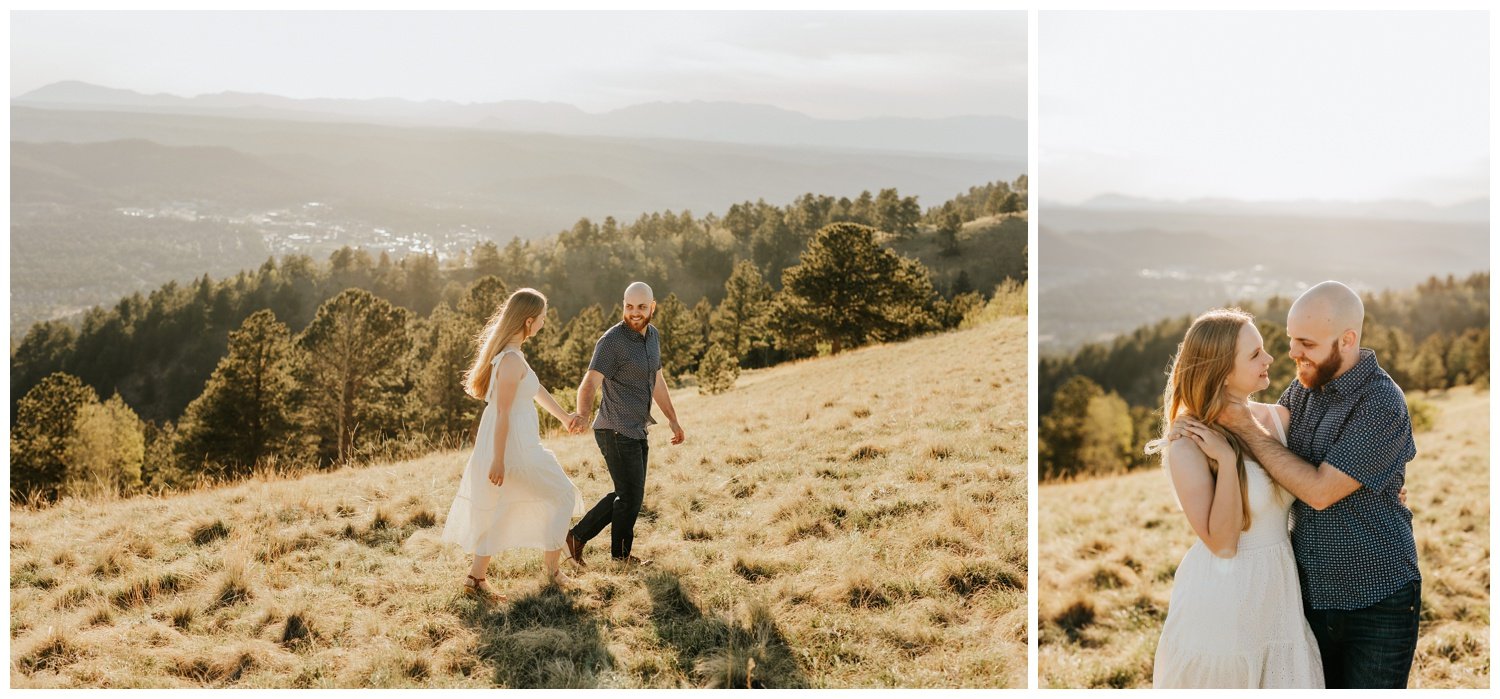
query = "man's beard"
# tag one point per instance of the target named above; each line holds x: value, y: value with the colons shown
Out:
x: 1323, y: 371
x: 646, y: 321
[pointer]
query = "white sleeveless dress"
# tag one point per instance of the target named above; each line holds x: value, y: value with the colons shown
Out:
x: 532, y: 508
x: 1238, y: 622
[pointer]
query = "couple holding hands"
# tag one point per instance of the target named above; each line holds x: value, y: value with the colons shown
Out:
x: 514, y: 493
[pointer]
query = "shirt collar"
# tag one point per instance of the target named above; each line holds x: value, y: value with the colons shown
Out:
x: 632, y: 334
x: 1355, y: 377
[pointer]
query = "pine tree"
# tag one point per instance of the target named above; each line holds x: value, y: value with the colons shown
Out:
x: 1060, y: 433
x: 42, y: 351
x: 349, y: 370
x: 738, y: 324
x: 949, y: 225
x: 1105, y: 436
x: 848, y: 291
x: 423, y: 283
x: 577, y: 345
x: 105, y: 450
x: 487, y: 259
x: 440, y: 400
x: 681, y: 337
x: 718, y: 371
x: 483, y: 299
x: 46, y: 417
x: 1428, y: 371
x: 245, y: 412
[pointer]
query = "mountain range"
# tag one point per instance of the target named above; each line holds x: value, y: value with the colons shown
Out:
x: 982, y: 136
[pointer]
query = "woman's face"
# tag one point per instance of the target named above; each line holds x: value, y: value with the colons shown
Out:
x: 1252, y: 364
x: 537, y: 323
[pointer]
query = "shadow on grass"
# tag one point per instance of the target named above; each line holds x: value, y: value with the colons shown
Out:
x: 721, y: 653
x: 542, y: 640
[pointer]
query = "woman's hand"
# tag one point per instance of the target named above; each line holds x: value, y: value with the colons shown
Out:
x: 497, y: 472
x: 1213, y: 444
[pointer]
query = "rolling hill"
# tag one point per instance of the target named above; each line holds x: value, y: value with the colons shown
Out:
x: 850, y: 521
x: 1108, y: 549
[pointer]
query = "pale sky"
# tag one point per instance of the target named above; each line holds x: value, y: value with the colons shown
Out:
x: 1261, y: 106
x: 828, y: 65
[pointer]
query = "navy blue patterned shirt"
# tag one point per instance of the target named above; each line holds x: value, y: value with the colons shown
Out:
x: 1359, y: 550
x: 629, y: 362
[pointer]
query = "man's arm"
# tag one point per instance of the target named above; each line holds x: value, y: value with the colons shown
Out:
x: 586, y: 390
x: 664, y: 401
x: 1319, y: 486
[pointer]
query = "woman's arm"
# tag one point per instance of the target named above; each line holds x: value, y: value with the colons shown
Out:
x: 1212, y: 503
x: 507, y: 379
x: 544, y: 397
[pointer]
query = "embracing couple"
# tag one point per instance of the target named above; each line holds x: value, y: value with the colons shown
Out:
x: 514, y: 493
x: 1336, y: 601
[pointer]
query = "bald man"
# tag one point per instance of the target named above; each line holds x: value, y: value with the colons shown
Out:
x: 627, y: 365
x: 1348, y: 442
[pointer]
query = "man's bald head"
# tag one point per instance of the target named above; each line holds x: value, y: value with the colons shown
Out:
x: 639, y: 291
x: 1330, y: 306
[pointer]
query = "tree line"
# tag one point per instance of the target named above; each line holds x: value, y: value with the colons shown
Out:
x: 1100, y: 405
x: 305, y: 363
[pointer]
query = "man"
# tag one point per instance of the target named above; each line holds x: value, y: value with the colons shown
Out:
x: 627, y: 364
x: 1361, y: 589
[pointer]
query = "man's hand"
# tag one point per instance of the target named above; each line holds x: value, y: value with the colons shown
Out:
x: 576, y: 423
x: 1237, y: 418
x: 677, y: 435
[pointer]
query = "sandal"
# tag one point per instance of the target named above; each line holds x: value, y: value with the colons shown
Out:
x: 478, y: 588
x: 558, y: 578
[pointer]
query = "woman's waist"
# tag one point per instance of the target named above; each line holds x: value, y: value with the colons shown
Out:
x: 1251, y: 543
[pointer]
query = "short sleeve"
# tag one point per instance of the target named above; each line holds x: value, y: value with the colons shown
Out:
x: 1286, y: 396
x: 606, y: 359
x: 1376, y: 443
x: 655, y: 353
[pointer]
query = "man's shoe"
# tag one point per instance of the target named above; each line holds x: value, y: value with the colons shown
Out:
x: 575, y: 550
x: 632, y: 562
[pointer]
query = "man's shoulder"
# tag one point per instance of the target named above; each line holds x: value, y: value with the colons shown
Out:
x: 1381, y: 391
x: 612, y: 333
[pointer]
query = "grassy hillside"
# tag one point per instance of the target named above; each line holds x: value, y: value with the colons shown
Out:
x: 1109, y: 548
x: 857, y: 520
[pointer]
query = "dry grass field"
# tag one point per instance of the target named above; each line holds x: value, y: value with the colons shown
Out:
x: 853, y: 521
x: 1109, y: 548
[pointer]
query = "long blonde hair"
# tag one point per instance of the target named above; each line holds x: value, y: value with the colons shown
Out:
x: 1195, y: 385
x: 505, y: 325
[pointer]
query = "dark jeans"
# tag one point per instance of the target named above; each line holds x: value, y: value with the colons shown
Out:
x: 1369, y: 648
x: 626, y: 460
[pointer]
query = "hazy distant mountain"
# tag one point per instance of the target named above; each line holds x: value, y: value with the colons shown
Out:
x: 729, y: 122
x: 525, y: 184
x: 1111, y: 270
x: 1100, y: 209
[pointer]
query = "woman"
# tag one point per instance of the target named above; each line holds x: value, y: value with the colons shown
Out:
x: 513, y: 494
x: 1235, y: 618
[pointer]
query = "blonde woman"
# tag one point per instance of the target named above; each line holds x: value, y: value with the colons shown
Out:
x: 1235, y: 618
x: 513, y: 494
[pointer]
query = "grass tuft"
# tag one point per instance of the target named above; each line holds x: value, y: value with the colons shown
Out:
x: 53, y: 652
x: 423, y: 519
x: 208, y: 532
x: 143, y: 590
x: 296, y: 630
x: 866, y: 453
